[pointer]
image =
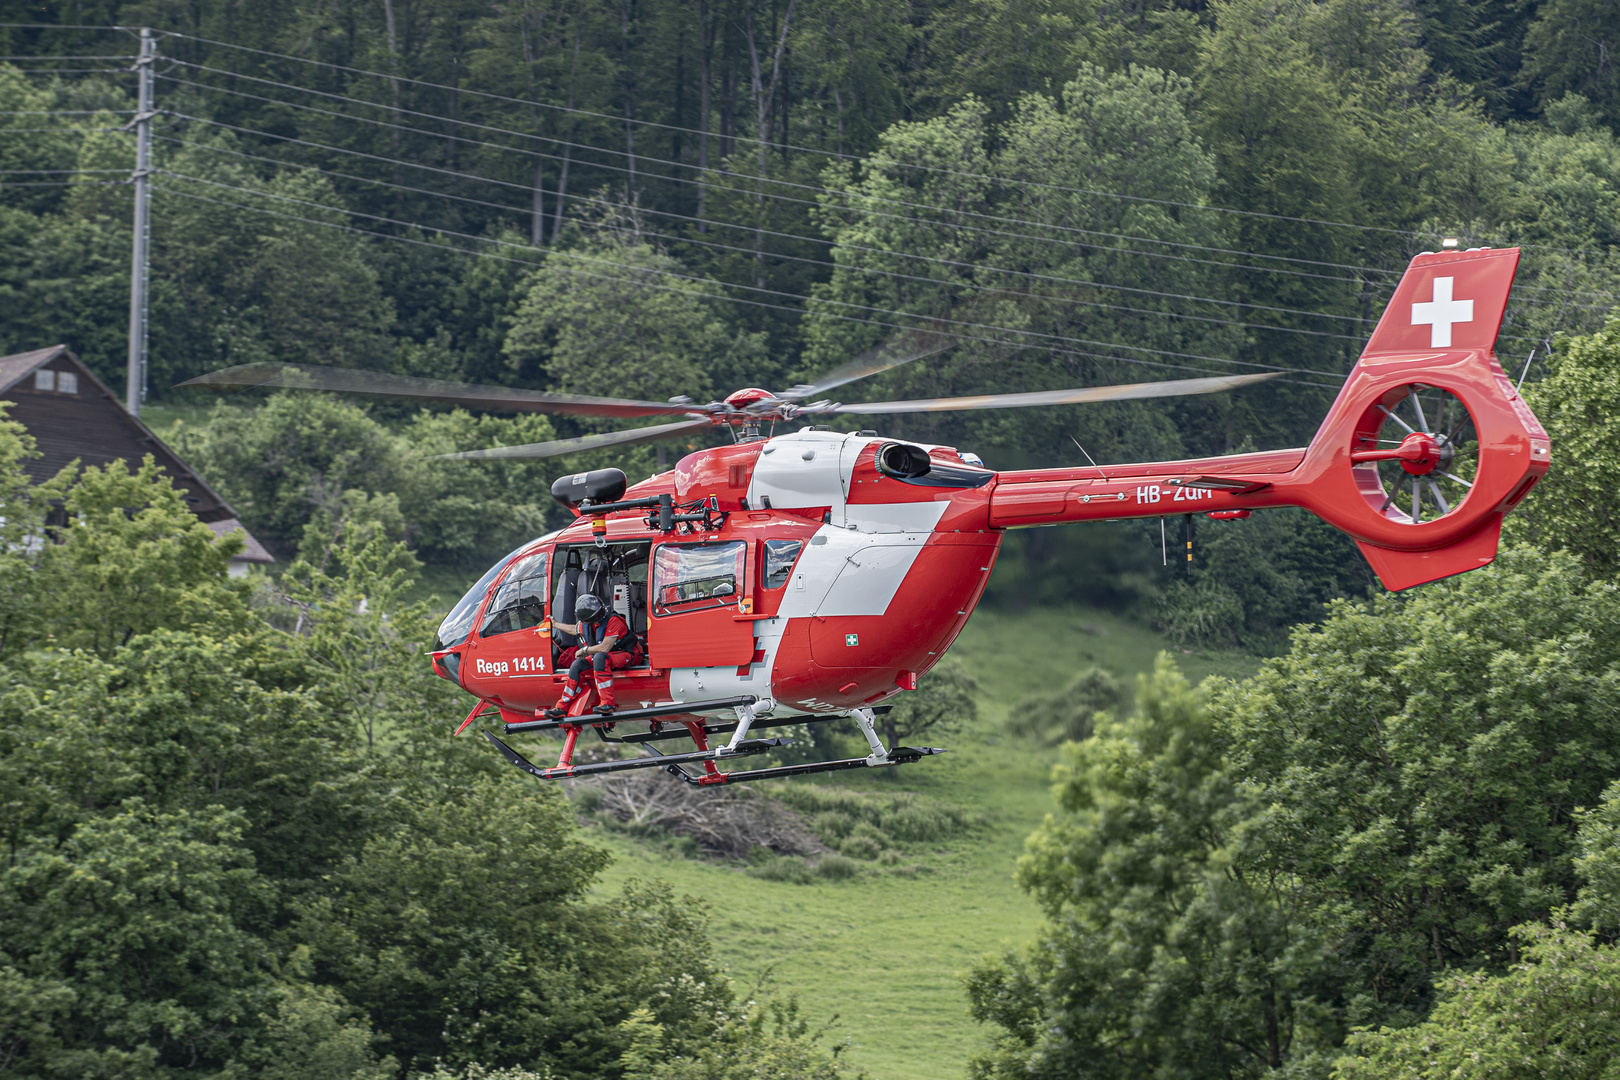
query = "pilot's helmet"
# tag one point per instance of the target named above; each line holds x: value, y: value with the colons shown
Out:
x: 589, y: 609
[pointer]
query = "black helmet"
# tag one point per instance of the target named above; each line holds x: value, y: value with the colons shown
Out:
x: 589, y: 609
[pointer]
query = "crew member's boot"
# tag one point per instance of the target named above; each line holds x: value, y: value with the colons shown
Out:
x: 604, y: 693
x: 560, y: 710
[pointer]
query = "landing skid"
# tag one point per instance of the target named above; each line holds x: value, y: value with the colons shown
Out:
x: 672, y: 763
x: 900, y: 755
x: 563, y: 772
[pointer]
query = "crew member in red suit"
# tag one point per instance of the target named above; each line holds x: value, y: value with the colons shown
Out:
x: 606, y: 645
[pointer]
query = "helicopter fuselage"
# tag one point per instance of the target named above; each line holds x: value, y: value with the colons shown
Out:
x: 841, y: 585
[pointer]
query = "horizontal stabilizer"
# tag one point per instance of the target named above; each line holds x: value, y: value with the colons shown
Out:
x: 1404, y: 569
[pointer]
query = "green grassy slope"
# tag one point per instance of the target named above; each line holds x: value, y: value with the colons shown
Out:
x: 883, y: 950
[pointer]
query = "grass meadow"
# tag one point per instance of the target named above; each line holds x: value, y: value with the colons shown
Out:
x: 884, y: 950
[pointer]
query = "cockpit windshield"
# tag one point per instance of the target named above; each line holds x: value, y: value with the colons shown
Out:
x: 459, y: 623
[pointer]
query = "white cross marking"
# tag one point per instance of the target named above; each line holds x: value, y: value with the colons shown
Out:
x: 1441, y: 312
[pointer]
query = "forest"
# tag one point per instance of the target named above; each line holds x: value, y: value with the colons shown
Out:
x: 239, y: 839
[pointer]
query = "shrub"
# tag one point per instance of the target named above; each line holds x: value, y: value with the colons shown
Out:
x: 837, y: 868
x: 920, y: 824
x: 861, y: 847
x: 872, y: 833
x: 784, y: 868
x: 832, y: 825
x: 1067, y: 716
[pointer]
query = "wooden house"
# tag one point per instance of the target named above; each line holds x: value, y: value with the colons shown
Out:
x: 72, y: 414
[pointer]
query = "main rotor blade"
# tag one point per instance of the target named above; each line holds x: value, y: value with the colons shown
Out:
x: 494, y: 398
x: 1124, y: 392
x: 559, y: 447
x: 896, y: 352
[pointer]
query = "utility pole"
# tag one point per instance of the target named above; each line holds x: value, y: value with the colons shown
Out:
x: 139, y: 263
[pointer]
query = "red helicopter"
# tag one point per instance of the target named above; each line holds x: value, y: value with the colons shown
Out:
x: 795, y: 578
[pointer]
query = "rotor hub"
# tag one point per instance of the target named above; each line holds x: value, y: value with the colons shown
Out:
x: 1420, y: 453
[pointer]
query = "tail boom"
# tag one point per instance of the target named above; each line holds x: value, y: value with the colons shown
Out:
x: 1436, y: 335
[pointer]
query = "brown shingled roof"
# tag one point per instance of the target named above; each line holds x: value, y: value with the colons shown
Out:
x: 90, y: 424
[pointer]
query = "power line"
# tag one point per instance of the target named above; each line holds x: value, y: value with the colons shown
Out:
x: 61, y: 183
x: 575, y: 272
x: 781, y: 197
x: 54, y: 56
x: 815, y: 188
x: 750, y: 288
x: 1027, y: 275
x: 63, y: 130
x: 526, y: 188
x: 522, y: 211
x: 57, y: 26
x: 767, y: 142
x: 74, y: 71
x: 788, y: 146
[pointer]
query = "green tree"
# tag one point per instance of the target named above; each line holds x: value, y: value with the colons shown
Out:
x: 1238, y: 878
x: 1422, y: 756
x: 607, y: 318
x: 132, y: 558
x: 295, y: 455
x: 1570, y: 49
x: 467, y: 943
x: 1576, y: 507
x: 1170, y: 947
x: 1555, y: 1015
x: 140, y: 916
x: 1555, y: 1011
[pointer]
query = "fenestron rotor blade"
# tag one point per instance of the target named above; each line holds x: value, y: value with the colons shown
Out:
x: 1083, y: 395
x: 559, y: 447
x: 494, y: 398
x: 898, y: 351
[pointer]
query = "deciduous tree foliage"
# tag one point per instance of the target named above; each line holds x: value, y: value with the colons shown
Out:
x: 1236, y: 878
x: 238, y: 840
x: 1553, y: 1013
x: 1576, y: 507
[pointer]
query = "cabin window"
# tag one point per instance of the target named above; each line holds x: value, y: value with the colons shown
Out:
x: 690, y: 577
x: 458, y: 624
x: 780, y: 555
x: 67, y: 382
x: 44, y: 380
x: 520, y: 603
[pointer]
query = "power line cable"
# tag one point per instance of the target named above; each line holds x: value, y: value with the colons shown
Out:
x: 575, y: 272
x: 750, y: 288
x: 620, y: 119
x: 1028, y: 275
x: 528, y: 189
x: 612, y: 152
x: 789, y: 146
x: 58, y: 26
x: 54, y: 56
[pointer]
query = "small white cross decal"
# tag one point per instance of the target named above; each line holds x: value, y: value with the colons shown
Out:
x: 1441, y: 312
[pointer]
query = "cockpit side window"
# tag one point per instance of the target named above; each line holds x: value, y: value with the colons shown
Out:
x: 457, y: 626
x: 780, y: 555
x: 520, y: 603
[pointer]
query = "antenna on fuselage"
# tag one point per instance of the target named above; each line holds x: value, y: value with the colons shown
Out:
x: 1094, y: 465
